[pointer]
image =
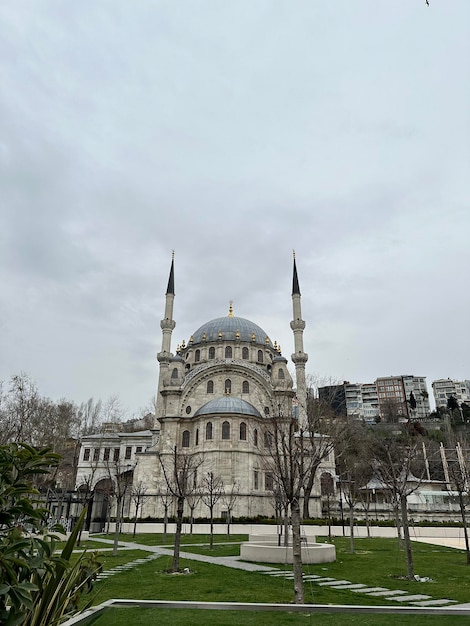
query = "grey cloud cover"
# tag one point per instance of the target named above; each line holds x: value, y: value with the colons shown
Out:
x: 233, y: 133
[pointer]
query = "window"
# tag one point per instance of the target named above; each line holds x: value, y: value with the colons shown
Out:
x: 210, y: 386
x: 255, y: 437
x: 243, y: 431
x: 225, y: 430
x: 209, y: 430
x: 174, y: 373
x: 268, y: 481
x: 128, y: 452
x: 197, y: 436
x: 268, y: 439
x: 228, y: 352
x: 116, y: 454
x: 256, y: 479
x: 260, y: 356
x: 245, y: 353
x: 138, y: 449
x: 185, y: 440
x: 326, y: 483
x: 96, y: 454
x: 245, y: 387
x: 197, y: 356
x: 228, y: 386
x: 86, y: 454
x: 212, y: 353
x: 281, y: 375
x: 107, y: 452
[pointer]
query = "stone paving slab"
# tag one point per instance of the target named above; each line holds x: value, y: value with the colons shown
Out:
x: 417, y: 596
x: 352, y: 586
x: 440, y: 602
x: 330, y: 583
x: 369, y: 589
x: 388, y: 592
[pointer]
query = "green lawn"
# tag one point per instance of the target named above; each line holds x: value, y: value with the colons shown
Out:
x: 377, y: 562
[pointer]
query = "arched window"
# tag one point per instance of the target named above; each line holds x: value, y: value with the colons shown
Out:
x: 228, y: 352
x: 185, y: 440
x: 209, y: 430
x: 212, y: 352
x: 197, y: 436
x: 281, y: 375
x: 260, y: 356
x: 243, y: 431
x: 225, y: 430
x: 174, y: 373
x: 327, y: 485
x: 268, y: 439
x: 245, y: 387
x: 245, y: 353
x: 210, y: 386
x: 228, y: 386
x: 255, y: 437
x: 197, y: 355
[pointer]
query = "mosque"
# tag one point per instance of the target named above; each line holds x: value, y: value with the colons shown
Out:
x: 215, y: 398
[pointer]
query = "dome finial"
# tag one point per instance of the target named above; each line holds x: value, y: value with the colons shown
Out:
x: 230, y: 309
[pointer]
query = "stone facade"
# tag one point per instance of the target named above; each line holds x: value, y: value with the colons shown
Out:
x: 216, y: 396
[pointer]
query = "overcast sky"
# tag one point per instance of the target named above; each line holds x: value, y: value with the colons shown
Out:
x: 233, y: 133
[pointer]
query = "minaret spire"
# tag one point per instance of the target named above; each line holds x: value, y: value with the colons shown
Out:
x: 299, y: 357
x: 171, y: 279
x: 167, y: 325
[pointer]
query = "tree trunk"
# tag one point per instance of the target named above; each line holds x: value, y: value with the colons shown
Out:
x: 351, y: 529
x: 406, y: 536
x: 179, y: 527
x: 165, y: 522
x: 464, y: 524
x: 297, y: 554
x: 398, y: 522
x: 117, y: 527
x: 307, y: 492
x: 212, y: 527
x: 286, y: 526
x: 135, y: 519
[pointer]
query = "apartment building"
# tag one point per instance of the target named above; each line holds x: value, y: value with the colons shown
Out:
x: 444, y: 388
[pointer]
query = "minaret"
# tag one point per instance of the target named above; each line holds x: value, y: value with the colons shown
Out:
x: 299, y: 357
x: 167, y: 325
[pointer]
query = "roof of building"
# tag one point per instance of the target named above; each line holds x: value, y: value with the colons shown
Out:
x: 232, y: 328
x: 228, y: 404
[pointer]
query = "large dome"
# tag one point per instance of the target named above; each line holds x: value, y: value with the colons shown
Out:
x: 228, y: 404
x: 229, y: 326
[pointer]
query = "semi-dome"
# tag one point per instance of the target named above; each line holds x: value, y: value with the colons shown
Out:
x: 232, y: 328
x: 227, y: 404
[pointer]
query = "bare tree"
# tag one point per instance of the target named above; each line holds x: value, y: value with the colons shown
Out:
x: 139, y: 497
x: 323, y: 428
x: 229, y: 499
x: 291, y: 459
x: 400, y: 466
x: 120, y: 475
x: 180, y: 472
x: 212, y: 489
x: 193, y: 500
x: 166, y: 497
x: 353, y: 462
x: 458, y: 469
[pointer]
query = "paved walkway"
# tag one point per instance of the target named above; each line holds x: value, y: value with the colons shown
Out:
x: 397, y: 595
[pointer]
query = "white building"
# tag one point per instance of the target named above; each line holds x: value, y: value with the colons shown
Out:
x: 444, y: 388
x: 216, y: 399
